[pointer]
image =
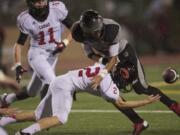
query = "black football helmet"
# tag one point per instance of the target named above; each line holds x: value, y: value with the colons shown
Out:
x: 39, y: 13
x: 124, y: 74
x: 91, y: 22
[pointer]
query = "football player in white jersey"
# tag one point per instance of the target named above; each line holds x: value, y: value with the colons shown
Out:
x: 42, y: 23
x: 59, y: 98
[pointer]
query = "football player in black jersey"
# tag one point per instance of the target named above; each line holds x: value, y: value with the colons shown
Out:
x: 103, y: 42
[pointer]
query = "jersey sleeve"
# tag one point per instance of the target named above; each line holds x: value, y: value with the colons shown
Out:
x: 114, y: 50
x: 60, y: 9
x: 21, y: 23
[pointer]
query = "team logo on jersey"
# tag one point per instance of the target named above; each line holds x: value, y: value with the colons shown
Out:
x: 44, y: 26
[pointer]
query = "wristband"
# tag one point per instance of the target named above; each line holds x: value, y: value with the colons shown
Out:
x: 66, y: 41
x: 16, y: 65
x: 103, y: 73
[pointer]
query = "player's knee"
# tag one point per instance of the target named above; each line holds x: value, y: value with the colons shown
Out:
x: 63, y: 118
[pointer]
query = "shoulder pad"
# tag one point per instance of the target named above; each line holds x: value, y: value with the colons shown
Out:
x: 110, y: 32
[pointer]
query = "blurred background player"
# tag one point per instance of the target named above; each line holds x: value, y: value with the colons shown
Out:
x: 42, y: 22
x: 59, y: 98
x: 102, y: 39
x: 5, y: 80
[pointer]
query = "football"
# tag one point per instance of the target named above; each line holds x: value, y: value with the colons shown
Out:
x: 170, y: 75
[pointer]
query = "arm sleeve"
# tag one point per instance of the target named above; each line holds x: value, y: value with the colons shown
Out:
x: 60, y: 10
x: 114, y: 50
x: 22, y: 38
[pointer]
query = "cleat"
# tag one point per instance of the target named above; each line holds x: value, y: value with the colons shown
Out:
x: 139, y: 127
x: 21, y: 133
x: 175, y: 107
x: 3, y: 103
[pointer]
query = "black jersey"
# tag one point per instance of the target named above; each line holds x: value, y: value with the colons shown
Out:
x: 110, y: 43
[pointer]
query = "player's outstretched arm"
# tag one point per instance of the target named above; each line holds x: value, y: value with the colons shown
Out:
x: 120, y: 103
x: 97, y: 79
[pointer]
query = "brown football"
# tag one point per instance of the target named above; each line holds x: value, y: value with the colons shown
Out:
x: 170, y: 75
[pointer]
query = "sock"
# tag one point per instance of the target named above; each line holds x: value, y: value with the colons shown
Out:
x: 6, y: 120
x: 34, y: 128
x: 10, y: 98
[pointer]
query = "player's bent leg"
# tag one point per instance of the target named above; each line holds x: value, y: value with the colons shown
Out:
x: 172, y: 104
x: 25, y: 116
x: 62, y: 97
x: 141, y: 87
x: 42, y: 124
x: 49, y: 122
x: 44, y: 109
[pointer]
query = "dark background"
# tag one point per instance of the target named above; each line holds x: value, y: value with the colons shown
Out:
x: 152, y: 26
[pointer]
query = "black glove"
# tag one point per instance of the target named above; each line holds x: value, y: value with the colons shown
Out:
x: 59, y: 48
x: 19, y: 71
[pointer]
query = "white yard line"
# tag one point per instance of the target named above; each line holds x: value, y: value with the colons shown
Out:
x: 115, y: 111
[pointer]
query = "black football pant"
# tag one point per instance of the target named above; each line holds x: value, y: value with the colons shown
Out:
x: 140, y: 85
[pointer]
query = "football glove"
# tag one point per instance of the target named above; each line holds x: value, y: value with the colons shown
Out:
x: 60, y: 46
x: 19, y: 71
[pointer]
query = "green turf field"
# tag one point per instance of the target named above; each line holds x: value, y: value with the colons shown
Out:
x: 93, y: 116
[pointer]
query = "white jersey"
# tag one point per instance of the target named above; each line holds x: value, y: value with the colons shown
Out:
x: 43, y: 34
x: 81, y: 78
x: 59, y: 99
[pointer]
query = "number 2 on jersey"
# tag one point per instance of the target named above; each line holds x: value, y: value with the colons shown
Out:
x: 89, y: 72
x: 51, y: 36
